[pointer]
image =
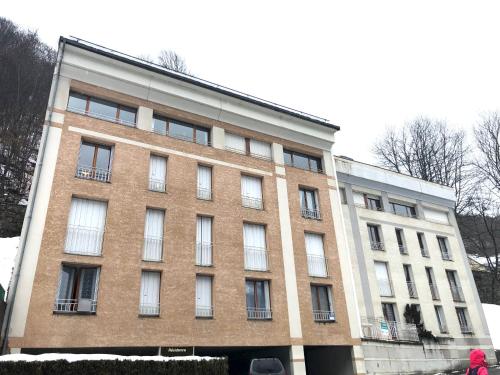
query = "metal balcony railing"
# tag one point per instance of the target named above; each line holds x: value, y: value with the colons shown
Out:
x: 443, y: 328
x: 153, y: 248
x: 317, y: 265
x: 377, y: 245
x: 151, y: 309
x: 203, y: 193
x: 323, y: 316
x: 71, y: 305
x: 412, y: 289
x: 403, y: 249
x: 434, y: 292
x: 424, y: 252
x: 251, y: 202
x: 204, y: 311
x: 83, y: 240
x: 309, y: 213
x: 259, y: 313
x: 445, y: 255
x: 256, y: 258
x: 157, y: 185
x: 465, y: 328
x: 381, y: 329
x: 203, y: 254
x: 456, y: 293
x: 92, y: 173
x: 101, y: 116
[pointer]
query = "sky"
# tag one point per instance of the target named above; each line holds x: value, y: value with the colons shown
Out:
x: 365, y: 65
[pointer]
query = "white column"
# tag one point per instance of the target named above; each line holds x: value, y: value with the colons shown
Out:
x: 358, y: 360
x: 328, y: 163
x: 62, y: 93
x: 278, y: 153
x: 218, y: 137
x: 145, y: 118
x: 297, y: 360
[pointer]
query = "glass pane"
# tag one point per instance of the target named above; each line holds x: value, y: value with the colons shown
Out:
x: 250, y: 294
x: 261, y: 294
x: 300, y: 161
x: 202, y: 136
x: 314, y: 296
x: 127, y: 115
x: 311, y: 200
x: 86, y: 158
x: 103, y: 109
x: 103, y: 156
x: 180, y: 131
x: 324, y: 305
x: 77, y: 102
x: 67, y: 280
x: 288, y: 157
x: 315, y: 164
x: 399, y: 237
x: 302, y: 194
x: 160, y: 125
x: 87, y: 283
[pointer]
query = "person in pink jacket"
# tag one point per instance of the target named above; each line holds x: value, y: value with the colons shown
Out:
x: 478, y: 365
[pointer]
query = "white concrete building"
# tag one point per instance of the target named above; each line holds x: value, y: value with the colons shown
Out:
x: 406, y: 249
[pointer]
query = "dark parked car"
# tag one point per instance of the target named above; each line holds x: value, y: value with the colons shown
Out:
x: 268, y: 366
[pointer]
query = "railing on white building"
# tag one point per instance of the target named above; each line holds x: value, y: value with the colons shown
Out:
x: 203, y: 254
x: 204, y: 311
x: 92, y: 173
x: 157, y: 185
x: 434, y: 292
x: 83, y: 240
x: 205, y: 194
x: 152, y: 309
x: 308, y: 213
x: 446, y: 255
x: 403, y: 249
x: 381, y: 329
x: 256, y: 258
x: 153, y: 248
x: 412, y: 289
x: 323, y: 316
x: 317, y: 265
x: 456, y: 293
x: 72, y: 305
x: 377, y: 245
x: 259, y: 313
x: 251, y: 202
x: 465, y: 328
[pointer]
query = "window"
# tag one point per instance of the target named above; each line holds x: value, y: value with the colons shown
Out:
x: 436, y: 215
x: 432, y: 283
x: 204, y: 296
x: 422, y: 244
x: 157, y: 173
x: 150, y: 293
x: 235, y: 143
x: 412, y: 288
x: 359, y: 199
x: 441, y: 319
x: 203, y: 241
x: 77, y: 291
x: 85, y: 227
x: 322, y: 303
x: 251, y: 192
x: 302, y: 161
x: 384, y: 282
x: 390, y: 317
x: 389, y: 311
x: 401, y: 241
x: 254, y: 240
x: 260, y: 149
x: 181, y: 130
x: 94, y: 162
x: 403, y: 210
x: 101, y: 109
x: 247, y: 146
x: 309, y: 204
x: 258, y: 303
x: 373, y: 203
x: 343, y: 196
x: 153, y: 235
x: 316, y: 261
x: 456, y: 289
x: 204, y: 183
x: 443, y: 247
x: 375, y: 239
x: 463, y: 320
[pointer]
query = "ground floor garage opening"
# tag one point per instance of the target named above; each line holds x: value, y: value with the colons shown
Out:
x: 328, y: 360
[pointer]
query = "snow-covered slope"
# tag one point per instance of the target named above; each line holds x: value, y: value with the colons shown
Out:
x: 8, y: 251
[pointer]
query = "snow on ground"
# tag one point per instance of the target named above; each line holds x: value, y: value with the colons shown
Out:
x: 96, y: 357
x: 492, y: 313
x: 8, y: 251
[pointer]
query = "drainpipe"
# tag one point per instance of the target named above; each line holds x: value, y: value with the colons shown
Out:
x: 29, y: 210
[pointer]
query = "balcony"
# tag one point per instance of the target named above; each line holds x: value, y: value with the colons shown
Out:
x: 456, y: 293
x: 412, y: 289
x: 92, y: 173
x: 153, y: 249
x: 380, y: 329
x: 204, y: 311
x: 317, y: 265
x: 377, y: 245
x: 403, y: 249
x: 203, y: 254
x: 465, y: 328
x: 256, y: 258
x: 157, y: 185
x: 255, y: 313
x: 75, y: 306
x: 83, y: 240
x: 251, y: 202
x: 149, y: 309
x: 434, y: 292
x: 204, y: 194
x: 308, y: 213
x: 323, y: 316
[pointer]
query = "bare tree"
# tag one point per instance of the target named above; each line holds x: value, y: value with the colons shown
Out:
x: 430, y: 150
x: 171, y: 60
x: 487, y: 162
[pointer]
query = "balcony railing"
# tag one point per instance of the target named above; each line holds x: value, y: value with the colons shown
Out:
x: 92, y: 173
x: 259, y: 313
x: 465, y: 328
x: 151, y: 309
x: 456, y: 293
x: 153, y: 248
x: 403, y: 249
x: 204, y: 311
x: 157, y: 185
x: 412, y: 289
x: 443, y: 328
x: 323, y: 316
x: 309, y: 213
x: 101, y: 116
x: 381, y: 329
x: 73, y: 306
x: 404, y: 214
x: 251, y: 202
x: 424, y: 252
x: 434, y: 292
x: 445, y: 255
x: 317, y: 265
x: 377, y: 245
x: 205, y: 194
x: 256, y: 258
x: 203, y: 254
x: 83, y: 240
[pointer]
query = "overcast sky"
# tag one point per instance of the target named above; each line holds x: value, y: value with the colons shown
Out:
x: 364, y: 65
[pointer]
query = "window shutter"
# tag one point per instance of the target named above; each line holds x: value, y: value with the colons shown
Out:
x: 235, y: 143
x: 204, y: 177
x: 251, y: 187
x: 157, y: 170
x: 150, y: 292
x: 260, y: 149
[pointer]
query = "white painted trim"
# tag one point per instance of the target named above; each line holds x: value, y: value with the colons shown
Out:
x: 218, y: 137
x: 165, y: 150
x: 145, y: 118
x: 57, y: 118
x: 280, y: 170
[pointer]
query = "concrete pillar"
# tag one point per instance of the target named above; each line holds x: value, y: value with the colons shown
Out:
x: 358, y: 360
x: 218, y: 137
x: 278, y: 154
x: 419, y: 210
x: 328, y: 163
x: 145, y: 118
x: 297, y: 360
x: 62, y: 93
x: 385, y: 202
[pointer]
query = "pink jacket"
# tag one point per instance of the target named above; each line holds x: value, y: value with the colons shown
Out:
x: 477, y: 359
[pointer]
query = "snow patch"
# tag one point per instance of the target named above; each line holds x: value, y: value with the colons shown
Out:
x: 96, y: 357
x: 8, y: 252
x: 492, y: 312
